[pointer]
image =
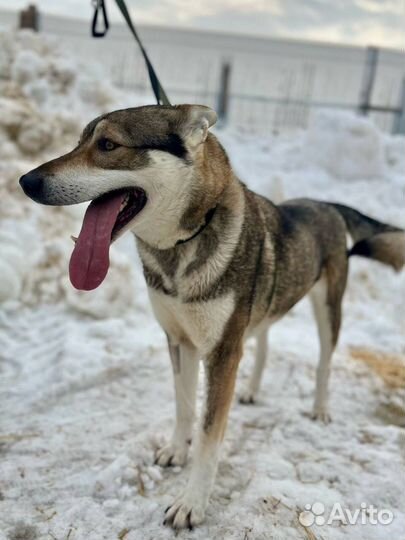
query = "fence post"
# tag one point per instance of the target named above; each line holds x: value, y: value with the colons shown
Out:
x: 398, y: 126
x: 29, y: 18
x: 369, y: 73
x: 223, y: 94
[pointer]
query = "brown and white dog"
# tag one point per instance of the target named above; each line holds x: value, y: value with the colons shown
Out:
x: 221, y: 262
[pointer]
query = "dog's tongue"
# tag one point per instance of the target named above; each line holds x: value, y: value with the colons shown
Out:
x: 90, y: 258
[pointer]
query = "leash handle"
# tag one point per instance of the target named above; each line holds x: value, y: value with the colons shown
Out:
x: 99, y: 6
x: 157, y: 88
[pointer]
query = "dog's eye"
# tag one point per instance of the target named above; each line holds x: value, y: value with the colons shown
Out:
x: 105, y: 145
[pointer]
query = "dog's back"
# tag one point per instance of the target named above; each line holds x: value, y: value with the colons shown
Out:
x: 309, y: 237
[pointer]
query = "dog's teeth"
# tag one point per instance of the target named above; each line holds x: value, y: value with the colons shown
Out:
x: 124, y: 202
x: 73, y: 238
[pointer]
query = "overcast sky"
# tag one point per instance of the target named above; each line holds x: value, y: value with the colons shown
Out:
x: 360, y: 22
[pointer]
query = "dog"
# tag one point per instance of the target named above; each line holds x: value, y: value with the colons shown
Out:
x: 221, y: 263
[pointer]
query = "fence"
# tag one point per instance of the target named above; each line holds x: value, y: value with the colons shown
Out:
x: 262, y: 85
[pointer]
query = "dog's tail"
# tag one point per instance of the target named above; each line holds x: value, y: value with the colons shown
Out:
x: 374, y: 239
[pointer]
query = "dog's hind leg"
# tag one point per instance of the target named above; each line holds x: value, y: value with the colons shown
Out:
x: 248, y: 396
x: 326, y: 298
x: 185, y: 364
x: 318, y: 296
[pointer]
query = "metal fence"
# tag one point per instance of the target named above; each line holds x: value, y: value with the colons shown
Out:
x: 262, y: 85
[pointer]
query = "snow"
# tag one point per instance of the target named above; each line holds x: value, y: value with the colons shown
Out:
x: 348, y: 147
x: 86, y: 394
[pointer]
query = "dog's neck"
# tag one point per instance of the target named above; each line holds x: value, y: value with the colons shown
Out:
x: 199, y: 258
x: 192, y: 208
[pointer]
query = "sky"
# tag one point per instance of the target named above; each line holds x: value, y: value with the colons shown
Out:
x: 358, y: 22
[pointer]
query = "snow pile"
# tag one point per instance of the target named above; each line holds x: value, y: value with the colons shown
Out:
x: 46, y: 98
x: 36, y: 68
x: 395, y: 153
x: 347, y: 146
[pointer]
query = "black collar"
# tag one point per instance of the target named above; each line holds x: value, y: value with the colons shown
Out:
x: 207, y: 219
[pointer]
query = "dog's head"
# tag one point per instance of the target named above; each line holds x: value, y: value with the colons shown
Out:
x: 139, y: 167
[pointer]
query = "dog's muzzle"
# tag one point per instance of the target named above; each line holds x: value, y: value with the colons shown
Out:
x: 33, y: 185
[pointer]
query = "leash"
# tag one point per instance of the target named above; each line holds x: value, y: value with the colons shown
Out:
x: 99, y: 6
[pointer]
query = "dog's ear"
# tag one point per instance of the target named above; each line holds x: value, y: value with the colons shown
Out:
x: 195, y: 123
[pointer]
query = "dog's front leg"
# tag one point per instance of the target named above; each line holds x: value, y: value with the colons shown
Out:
x: 220, y: 368
x: 185, y: 364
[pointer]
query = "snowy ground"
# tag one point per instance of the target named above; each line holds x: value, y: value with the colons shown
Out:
x: 85, y: 390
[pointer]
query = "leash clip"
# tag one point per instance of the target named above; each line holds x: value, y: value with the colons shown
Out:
x: 99, y: 6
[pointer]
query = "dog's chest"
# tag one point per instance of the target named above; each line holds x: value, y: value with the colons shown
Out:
x: 200, y: 324
x: 175, y: 286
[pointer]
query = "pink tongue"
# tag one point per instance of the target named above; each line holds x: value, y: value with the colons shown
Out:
x: 90, y: 258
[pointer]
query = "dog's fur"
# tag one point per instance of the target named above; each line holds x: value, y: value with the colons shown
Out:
x: 221, y: 262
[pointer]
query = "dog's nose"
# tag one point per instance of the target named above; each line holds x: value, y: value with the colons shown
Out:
x: 33, y: 185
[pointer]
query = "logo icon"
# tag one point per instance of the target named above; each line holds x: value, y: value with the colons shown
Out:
x: 313, y: 513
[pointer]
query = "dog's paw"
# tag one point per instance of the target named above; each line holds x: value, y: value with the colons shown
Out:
x: 247, y: 397
x: 185, y: 513
x: 172, y: 455
x: 321, y: 415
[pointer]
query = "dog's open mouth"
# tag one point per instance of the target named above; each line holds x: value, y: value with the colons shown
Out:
x: 105, y: 217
